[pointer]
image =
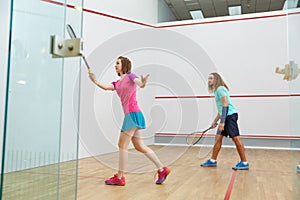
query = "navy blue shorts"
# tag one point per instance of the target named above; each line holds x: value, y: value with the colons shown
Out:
x: 231, y: 127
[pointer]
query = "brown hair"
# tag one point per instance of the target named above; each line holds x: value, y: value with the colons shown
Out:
x: 218, y: 81
x: 126, y: 65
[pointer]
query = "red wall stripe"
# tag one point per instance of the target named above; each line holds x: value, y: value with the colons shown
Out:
x: 99, y: 13
x: 59, y: 3
x: 232, y: 96
x: 242, y: 136
x: 222, y: 21
x: 168, y: 26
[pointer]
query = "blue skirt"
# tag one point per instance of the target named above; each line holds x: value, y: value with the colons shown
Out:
x: 133, y: 120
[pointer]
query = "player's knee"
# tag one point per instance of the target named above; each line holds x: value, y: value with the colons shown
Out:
x: 122, y: 145
x: 140, y: 148
x: 237, y: 141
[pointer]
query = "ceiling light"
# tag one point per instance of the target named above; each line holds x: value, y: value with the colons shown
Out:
x: 79, y: 8
x: 290, y: 4
x: 235, y: 10
x: 197, y: 14
x: 22, y: 82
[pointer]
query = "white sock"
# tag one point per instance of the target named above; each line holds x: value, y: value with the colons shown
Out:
x: 245, y: 163
x: 212, y: 160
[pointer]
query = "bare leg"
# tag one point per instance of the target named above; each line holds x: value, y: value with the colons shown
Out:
x: 140, y: 146
x: 240, y: 148
x: 217, y: 146
x: 124, y: 141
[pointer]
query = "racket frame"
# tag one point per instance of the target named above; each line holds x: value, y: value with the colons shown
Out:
x: 201, y: 133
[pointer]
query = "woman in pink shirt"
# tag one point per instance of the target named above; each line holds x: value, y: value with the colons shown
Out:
x: 133, y: 120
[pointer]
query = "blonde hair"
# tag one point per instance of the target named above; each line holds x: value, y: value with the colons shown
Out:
x: 218, y: 81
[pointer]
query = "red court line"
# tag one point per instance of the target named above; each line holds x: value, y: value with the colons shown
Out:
x: 232, y: 96
x: 230, y: 186
x: 174, y: 25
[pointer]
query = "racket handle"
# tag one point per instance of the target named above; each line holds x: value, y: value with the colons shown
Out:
x: 86, y: 64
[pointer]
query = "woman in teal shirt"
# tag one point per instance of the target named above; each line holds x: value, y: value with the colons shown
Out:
x: 227, y: 114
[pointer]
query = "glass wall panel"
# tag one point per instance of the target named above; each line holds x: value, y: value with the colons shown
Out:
x: 39, y: 156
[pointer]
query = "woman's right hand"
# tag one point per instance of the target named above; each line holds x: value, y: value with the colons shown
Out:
x: 92, y: 77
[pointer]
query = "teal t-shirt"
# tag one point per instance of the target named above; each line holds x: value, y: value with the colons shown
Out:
x: 220, y: 92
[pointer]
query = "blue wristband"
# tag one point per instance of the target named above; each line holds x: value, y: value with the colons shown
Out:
x: 224, y: 113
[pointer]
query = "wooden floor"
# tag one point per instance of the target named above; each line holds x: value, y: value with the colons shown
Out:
x: 272, y: 175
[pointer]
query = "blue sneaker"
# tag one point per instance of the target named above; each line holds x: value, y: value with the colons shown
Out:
x: 241, y: 165
x: 298, y: 169
x: 209, y: 163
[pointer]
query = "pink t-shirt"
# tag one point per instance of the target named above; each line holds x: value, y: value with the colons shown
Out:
x: 126, y: 89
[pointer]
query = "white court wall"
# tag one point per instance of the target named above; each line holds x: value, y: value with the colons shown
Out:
x: 104, y: 40
x: 246, y: 53
x: 244, y: 49
x: 142, y: 11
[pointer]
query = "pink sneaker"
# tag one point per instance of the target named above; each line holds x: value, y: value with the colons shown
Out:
x: 163, y: 175
x: 115, y: 180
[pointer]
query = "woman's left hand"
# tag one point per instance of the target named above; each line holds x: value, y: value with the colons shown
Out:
x: 144, y: 80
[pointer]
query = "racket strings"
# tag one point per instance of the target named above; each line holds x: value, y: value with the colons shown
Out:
x: 193, y: 138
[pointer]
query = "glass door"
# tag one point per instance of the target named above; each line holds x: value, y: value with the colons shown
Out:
x: 40, y: 143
